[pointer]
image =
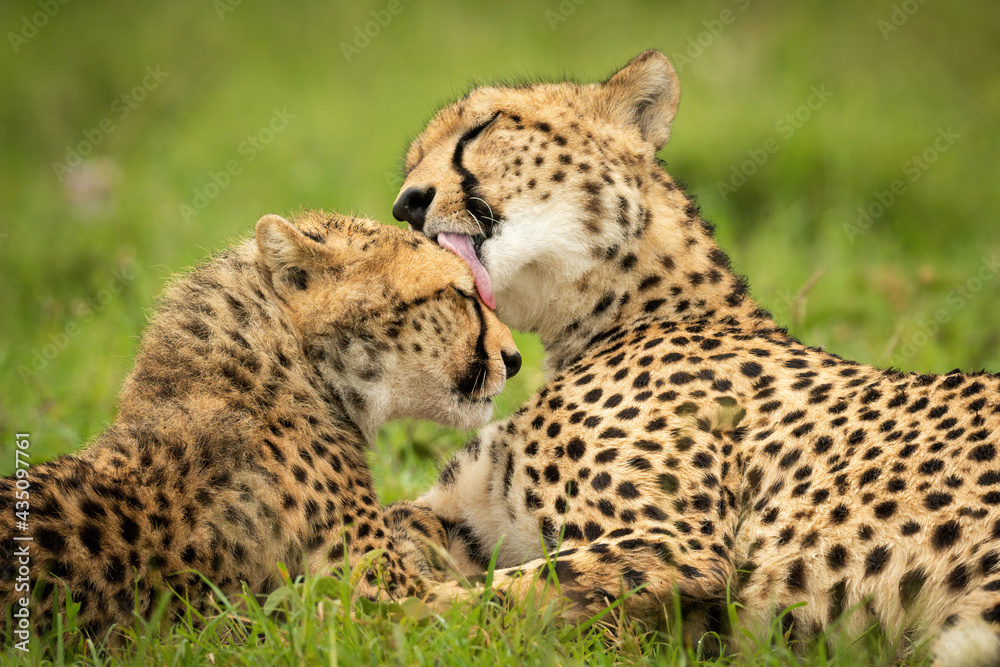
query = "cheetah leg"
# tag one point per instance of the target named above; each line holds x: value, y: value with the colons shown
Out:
x: 641, y: 574
x: 421, y: 534
x: 395, y: 556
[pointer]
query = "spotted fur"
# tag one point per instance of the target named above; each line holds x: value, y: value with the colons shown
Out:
x: 684, y: 441
x: 242, y: 431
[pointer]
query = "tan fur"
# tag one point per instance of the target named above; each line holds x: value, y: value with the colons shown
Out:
x: 242, y: 432
x: 834, y: 483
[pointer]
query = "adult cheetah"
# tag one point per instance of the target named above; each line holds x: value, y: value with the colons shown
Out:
x: 242, y: 431
x: 684, y: 441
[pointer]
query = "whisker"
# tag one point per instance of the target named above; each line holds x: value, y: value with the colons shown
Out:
x: 481, y: 379
x: 491, y: 218
x: 476, y: 220
x: 487, y: 205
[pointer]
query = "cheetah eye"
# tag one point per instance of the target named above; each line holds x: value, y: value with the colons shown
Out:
x: 475, y: 132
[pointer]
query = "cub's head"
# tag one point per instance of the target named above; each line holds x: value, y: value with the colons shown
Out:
x: 391, y: 321
x: 535, y: 185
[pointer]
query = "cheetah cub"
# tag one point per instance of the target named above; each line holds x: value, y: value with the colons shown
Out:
x: 242, y: 431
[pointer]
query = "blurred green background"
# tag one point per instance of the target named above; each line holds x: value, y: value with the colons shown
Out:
x: 135, y: 138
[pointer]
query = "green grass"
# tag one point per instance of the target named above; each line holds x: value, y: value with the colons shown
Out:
x: 316, y: 621
x: 84, y: 257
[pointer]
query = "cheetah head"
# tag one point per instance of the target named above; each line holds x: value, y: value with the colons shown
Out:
x: 530, y: 185
x: 391, y: 322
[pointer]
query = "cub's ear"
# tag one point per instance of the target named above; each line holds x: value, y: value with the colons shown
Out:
x: 282, y: 246
x: 644, y: 94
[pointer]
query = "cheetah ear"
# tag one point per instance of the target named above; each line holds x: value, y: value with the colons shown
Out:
x: 281, y: 245
x: 644, y: 93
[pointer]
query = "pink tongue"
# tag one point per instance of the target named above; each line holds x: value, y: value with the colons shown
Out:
x: 461, y: 245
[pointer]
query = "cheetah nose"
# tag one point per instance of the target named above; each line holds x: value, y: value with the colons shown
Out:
x: 412, y: 205
x: 511, y: 361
